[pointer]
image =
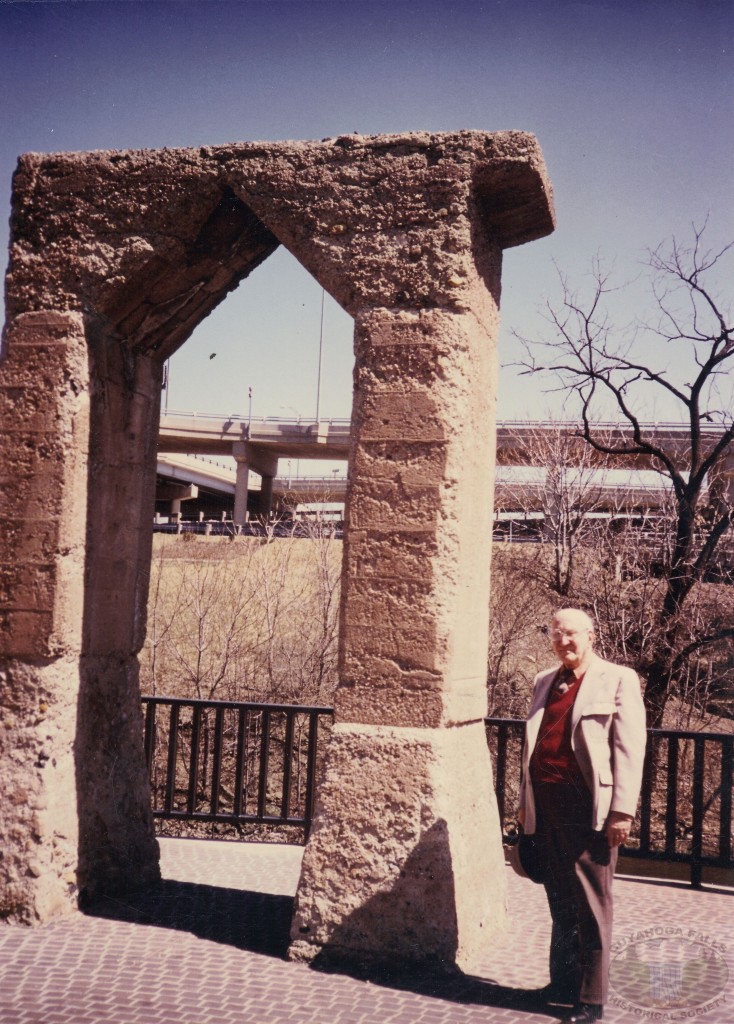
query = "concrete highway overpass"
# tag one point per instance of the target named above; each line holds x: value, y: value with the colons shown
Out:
x: 183, y: 477
x: 275, y: 438
x: 248, y: 445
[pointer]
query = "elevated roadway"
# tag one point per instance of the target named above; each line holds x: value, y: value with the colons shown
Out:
x: 516, y: 488
x: 273, y: 437
x: 258, y: 443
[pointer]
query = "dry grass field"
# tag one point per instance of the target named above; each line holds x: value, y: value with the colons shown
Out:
x: 257, y: 619
x: 243, y: 619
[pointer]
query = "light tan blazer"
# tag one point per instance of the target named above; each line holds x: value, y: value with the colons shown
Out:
x: 608, y: 737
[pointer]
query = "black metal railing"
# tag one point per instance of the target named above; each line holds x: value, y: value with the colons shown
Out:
x: 686, y: 804
x: 232, y: 761
x: 237, y: 762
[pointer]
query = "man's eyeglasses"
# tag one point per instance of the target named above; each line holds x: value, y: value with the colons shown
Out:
x: 570, y: 634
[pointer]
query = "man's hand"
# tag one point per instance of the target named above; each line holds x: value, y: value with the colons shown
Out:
x: 618, y: 828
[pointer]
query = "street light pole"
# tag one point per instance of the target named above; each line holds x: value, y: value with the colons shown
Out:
x: 249, y: 412
x: 166, y: 383
x: 321, y: 349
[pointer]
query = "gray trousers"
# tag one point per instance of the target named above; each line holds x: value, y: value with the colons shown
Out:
x: 580, y: 869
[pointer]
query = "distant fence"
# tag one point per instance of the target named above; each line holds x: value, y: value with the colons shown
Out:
x: 307, y: 528
x: 236, y: 762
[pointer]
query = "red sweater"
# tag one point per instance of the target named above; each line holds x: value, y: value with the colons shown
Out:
x: 553, y: 759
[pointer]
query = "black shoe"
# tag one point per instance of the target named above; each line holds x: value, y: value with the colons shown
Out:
x: 557, y: 994
x: 584, y: 1013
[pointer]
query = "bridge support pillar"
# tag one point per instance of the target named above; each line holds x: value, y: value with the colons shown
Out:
x: 266, y: 496
x: 242, y: 479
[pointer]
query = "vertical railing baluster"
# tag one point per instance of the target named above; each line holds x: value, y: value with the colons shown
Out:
x: 646, y: 798
x: 171, y: 761
x: 253, y: 717
x: 262, y: 789
x: 501, y: 772
x: 149, y: 740
x: 671, y: 800
x: 313, y: 735
x: 697, y: 839
x: 194, y: 760
x: 217, y: 759
x: 727, y: 765
x: 239, y: 768
x: 149, y: 744
x: 287, y: 764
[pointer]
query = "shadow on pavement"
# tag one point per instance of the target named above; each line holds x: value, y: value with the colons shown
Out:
x: 254, y: 921
x: 260, y: 923
x: 451, y: 986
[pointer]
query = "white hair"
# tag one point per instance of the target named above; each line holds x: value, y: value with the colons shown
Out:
x: 580, y: 614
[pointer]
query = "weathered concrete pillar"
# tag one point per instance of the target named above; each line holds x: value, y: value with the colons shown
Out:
x: 77, y: 810
x: 44, y: 443
x: 405, y: 859
x: 117, y: 849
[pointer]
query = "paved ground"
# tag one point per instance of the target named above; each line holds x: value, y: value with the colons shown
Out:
x: 207, y: 948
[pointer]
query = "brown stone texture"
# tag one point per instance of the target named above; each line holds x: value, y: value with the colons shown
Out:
x: 43, y: 456
x: 416, y: 570
x: 414, y: 863
x: 149, y: 242
x: 115, y: 259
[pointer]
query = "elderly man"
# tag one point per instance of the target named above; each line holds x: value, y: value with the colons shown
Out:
x: 581, y: 775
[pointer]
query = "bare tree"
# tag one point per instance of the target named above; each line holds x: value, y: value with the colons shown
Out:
x: 200, y: 605
x: 683, y: 355
x: 251, y: 620
x: 298, y: 581
x: 256, y: 619
x: 570, y: 485
x: 519, y: 609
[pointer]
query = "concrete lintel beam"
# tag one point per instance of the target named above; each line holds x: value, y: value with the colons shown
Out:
x: 176, y: 492
x: 259, y: 461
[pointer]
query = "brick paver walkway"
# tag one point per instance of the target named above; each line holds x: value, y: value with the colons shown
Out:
x: 207, y: 948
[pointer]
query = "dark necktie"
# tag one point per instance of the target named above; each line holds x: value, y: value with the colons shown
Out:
x: 564, y: 680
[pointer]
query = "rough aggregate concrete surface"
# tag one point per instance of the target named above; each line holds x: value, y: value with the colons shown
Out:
x: 115, y: 259
x: 405, y: 861
x: 154, y: 239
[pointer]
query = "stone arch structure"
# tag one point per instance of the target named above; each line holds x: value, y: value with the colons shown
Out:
x: 115, y: 258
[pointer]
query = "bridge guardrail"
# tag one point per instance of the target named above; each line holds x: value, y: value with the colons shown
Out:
x: 667, y: 425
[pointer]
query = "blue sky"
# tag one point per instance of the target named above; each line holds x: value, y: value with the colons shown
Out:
x: 631, y: 100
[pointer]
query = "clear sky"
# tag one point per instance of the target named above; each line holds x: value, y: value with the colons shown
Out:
x: 631, y: 100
